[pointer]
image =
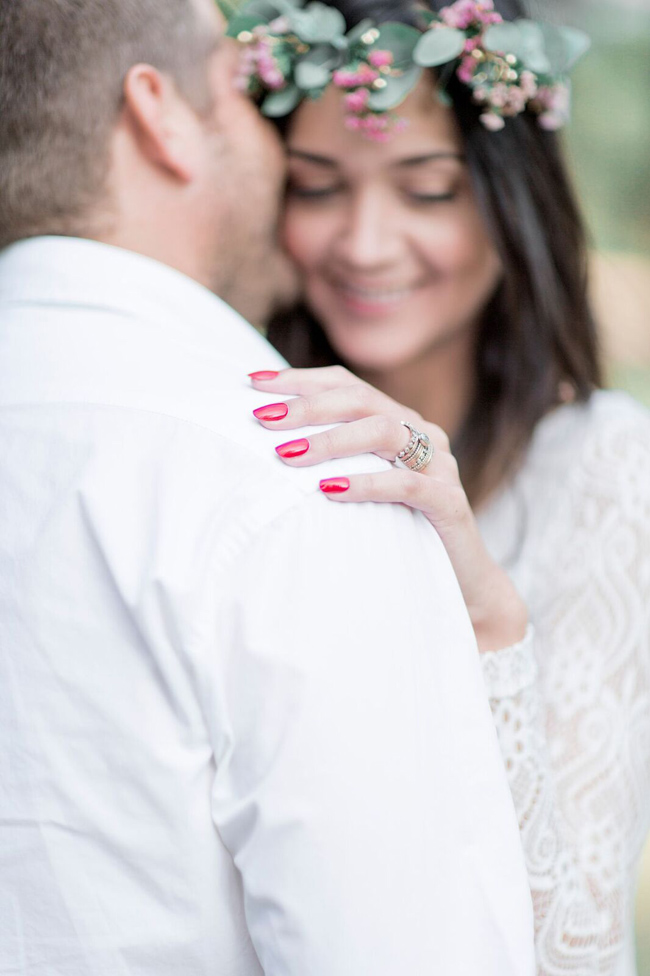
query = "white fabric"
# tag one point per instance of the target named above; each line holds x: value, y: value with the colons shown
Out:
x: 242, y: 729
x: 572, y: 702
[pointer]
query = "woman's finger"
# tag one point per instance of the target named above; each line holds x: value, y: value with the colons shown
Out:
x: 333, y: 406
x: 440, y: 501
x: 303, y: 381
x: 380, y: 435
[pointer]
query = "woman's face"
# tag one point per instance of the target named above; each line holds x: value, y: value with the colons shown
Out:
x: 394, y: 255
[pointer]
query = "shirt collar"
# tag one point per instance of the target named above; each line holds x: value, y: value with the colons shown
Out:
x: 76, y: 272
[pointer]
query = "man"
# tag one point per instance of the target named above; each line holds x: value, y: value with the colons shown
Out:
x: 242, y: 730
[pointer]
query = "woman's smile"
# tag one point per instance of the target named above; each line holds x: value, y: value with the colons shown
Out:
x: 371, y: 300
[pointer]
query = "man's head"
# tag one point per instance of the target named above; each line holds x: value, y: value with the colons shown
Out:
x: 119, y: 120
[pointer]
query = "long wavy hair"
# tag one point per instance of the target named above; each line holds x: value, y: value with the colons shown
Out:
x: 537, y: 331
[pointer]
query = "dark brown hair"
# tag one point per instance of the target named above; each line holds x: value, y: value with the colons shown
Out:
x: 537, y: 330
x: 62, y: 68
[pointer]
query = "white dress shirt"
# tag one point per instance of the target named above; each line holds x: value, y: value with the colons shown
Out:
x: 243, y: 729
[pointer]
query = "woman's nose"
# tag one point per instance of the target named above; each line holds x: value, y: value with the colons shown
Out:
x: 369, y: 236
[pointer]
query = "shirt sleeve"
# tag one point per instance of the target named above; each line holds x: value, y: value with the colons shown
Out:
x: 359, y: 785
x: 571, y: 705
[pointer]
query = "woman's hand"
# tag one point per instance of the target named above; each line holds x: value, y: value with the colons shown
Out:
x: 372, y: 424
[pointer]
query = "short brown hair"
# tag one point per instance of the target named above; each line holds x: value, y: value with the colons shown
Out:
x: 62, y: 68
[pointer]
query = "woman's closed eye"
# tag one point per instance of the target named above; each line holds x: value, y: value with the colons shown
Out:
x: 303, y: 192
x: 316, y: 192
x: 429, y: 198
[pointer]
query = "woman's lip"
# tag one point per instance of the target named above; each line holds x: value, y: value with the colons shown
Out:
x: 372, y: 301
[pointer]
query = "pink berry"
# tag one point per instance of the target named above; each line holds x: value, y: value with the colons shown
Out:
x: 380, y: 59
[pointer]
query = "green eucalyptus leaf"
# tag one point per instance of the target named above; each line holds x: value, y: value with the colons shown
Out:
x: 575, y: 45
x: 428, y: 17
x: 395, y: 91
x: 263, y: 10
x: 309, y: 75
x: 280, y: 103
x: 564, y: 46
x: 503, y: 38
x: 241, y: 22
x: 286, y: 7
x: 400, y: 39
x: 532, y: 50
x: 436, y: 47
x: 318, y: 23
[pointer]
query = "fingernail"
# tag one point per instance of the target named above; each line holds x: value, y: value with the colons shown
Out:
x: 293, y: 448
x: 274, y: 411
x: 334, y: 486
x: 264, y: 374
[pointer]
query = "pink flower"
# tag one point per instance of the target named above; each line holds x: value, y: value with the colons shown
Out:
x: 374, y: 123
x: 556, y: 98
x: 274, y: 79
x: 343, y: 79
x: 486, y: 14
x: 380, y: 59
x: 357, y: 101
x: 487, y: 18
x: 555, y: 102
x: 367, y: 75
x: 460, y: 14
x: 466, y: 70
x: 551, y: 121
x: 492, y: 121
x: 364, y: 75
x: 499, y: 96
x: 353, y: 122
x: 516, y: 100
x: 528, y: 83
x: 265, y: 62
x: 281, y: 25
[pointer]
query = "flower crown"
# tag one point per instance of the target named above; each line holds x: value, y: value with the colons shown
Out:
x: 293, y: 50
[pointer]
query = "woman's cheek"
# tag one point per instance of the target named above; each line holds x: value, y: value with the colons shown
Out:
x: 456, y: 247
x: 304, y: 238
x: 445, y: 241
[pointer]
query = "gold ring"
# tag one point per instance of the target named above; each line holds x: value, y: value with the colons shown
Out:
x: 418, y: 452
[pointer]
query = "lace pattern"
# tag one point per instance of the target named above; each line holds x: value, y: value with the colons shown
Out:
x: 572, y: 702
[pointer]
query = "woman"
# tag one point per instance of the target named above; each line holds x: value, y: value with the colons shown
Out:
x: 444, y: 285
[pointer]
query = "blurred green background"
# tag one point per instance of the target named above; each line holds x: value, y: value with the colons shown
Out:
x: 609, y: 147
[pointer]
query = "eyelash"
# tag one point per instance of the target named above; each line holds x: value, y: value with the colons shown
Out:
x: 417, y: 198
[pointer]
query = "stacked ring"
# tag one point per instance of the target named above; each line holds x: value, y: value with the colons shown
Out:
x: 418, y: 452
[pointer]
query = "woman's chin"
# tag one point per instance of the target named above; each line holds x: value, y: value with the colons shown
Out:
x: 374, y: 356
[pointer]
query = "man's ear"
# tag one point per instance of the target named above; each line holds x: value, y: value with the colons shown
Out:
x: 161, y: 120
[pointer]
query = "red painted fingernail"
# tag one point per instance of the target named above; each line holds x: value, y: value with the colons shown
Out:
x: 264, y: 374
x: 293, y: 448
x: 274, y: 411
x: 334, y: 486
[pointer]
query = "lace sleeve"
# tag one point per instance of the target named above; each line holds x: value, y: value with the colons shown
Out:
x: 572, y: 708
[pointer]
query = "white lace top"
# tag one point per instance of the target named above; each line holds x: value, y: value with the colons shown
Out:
x: 572, y: 701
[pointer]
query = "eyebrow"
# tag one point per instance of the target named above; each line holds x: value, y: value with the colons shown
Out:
x: 411, y: 161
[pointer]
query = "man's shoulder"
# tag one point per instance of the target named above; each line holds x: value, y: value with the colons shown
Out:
x: 198, y: 467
